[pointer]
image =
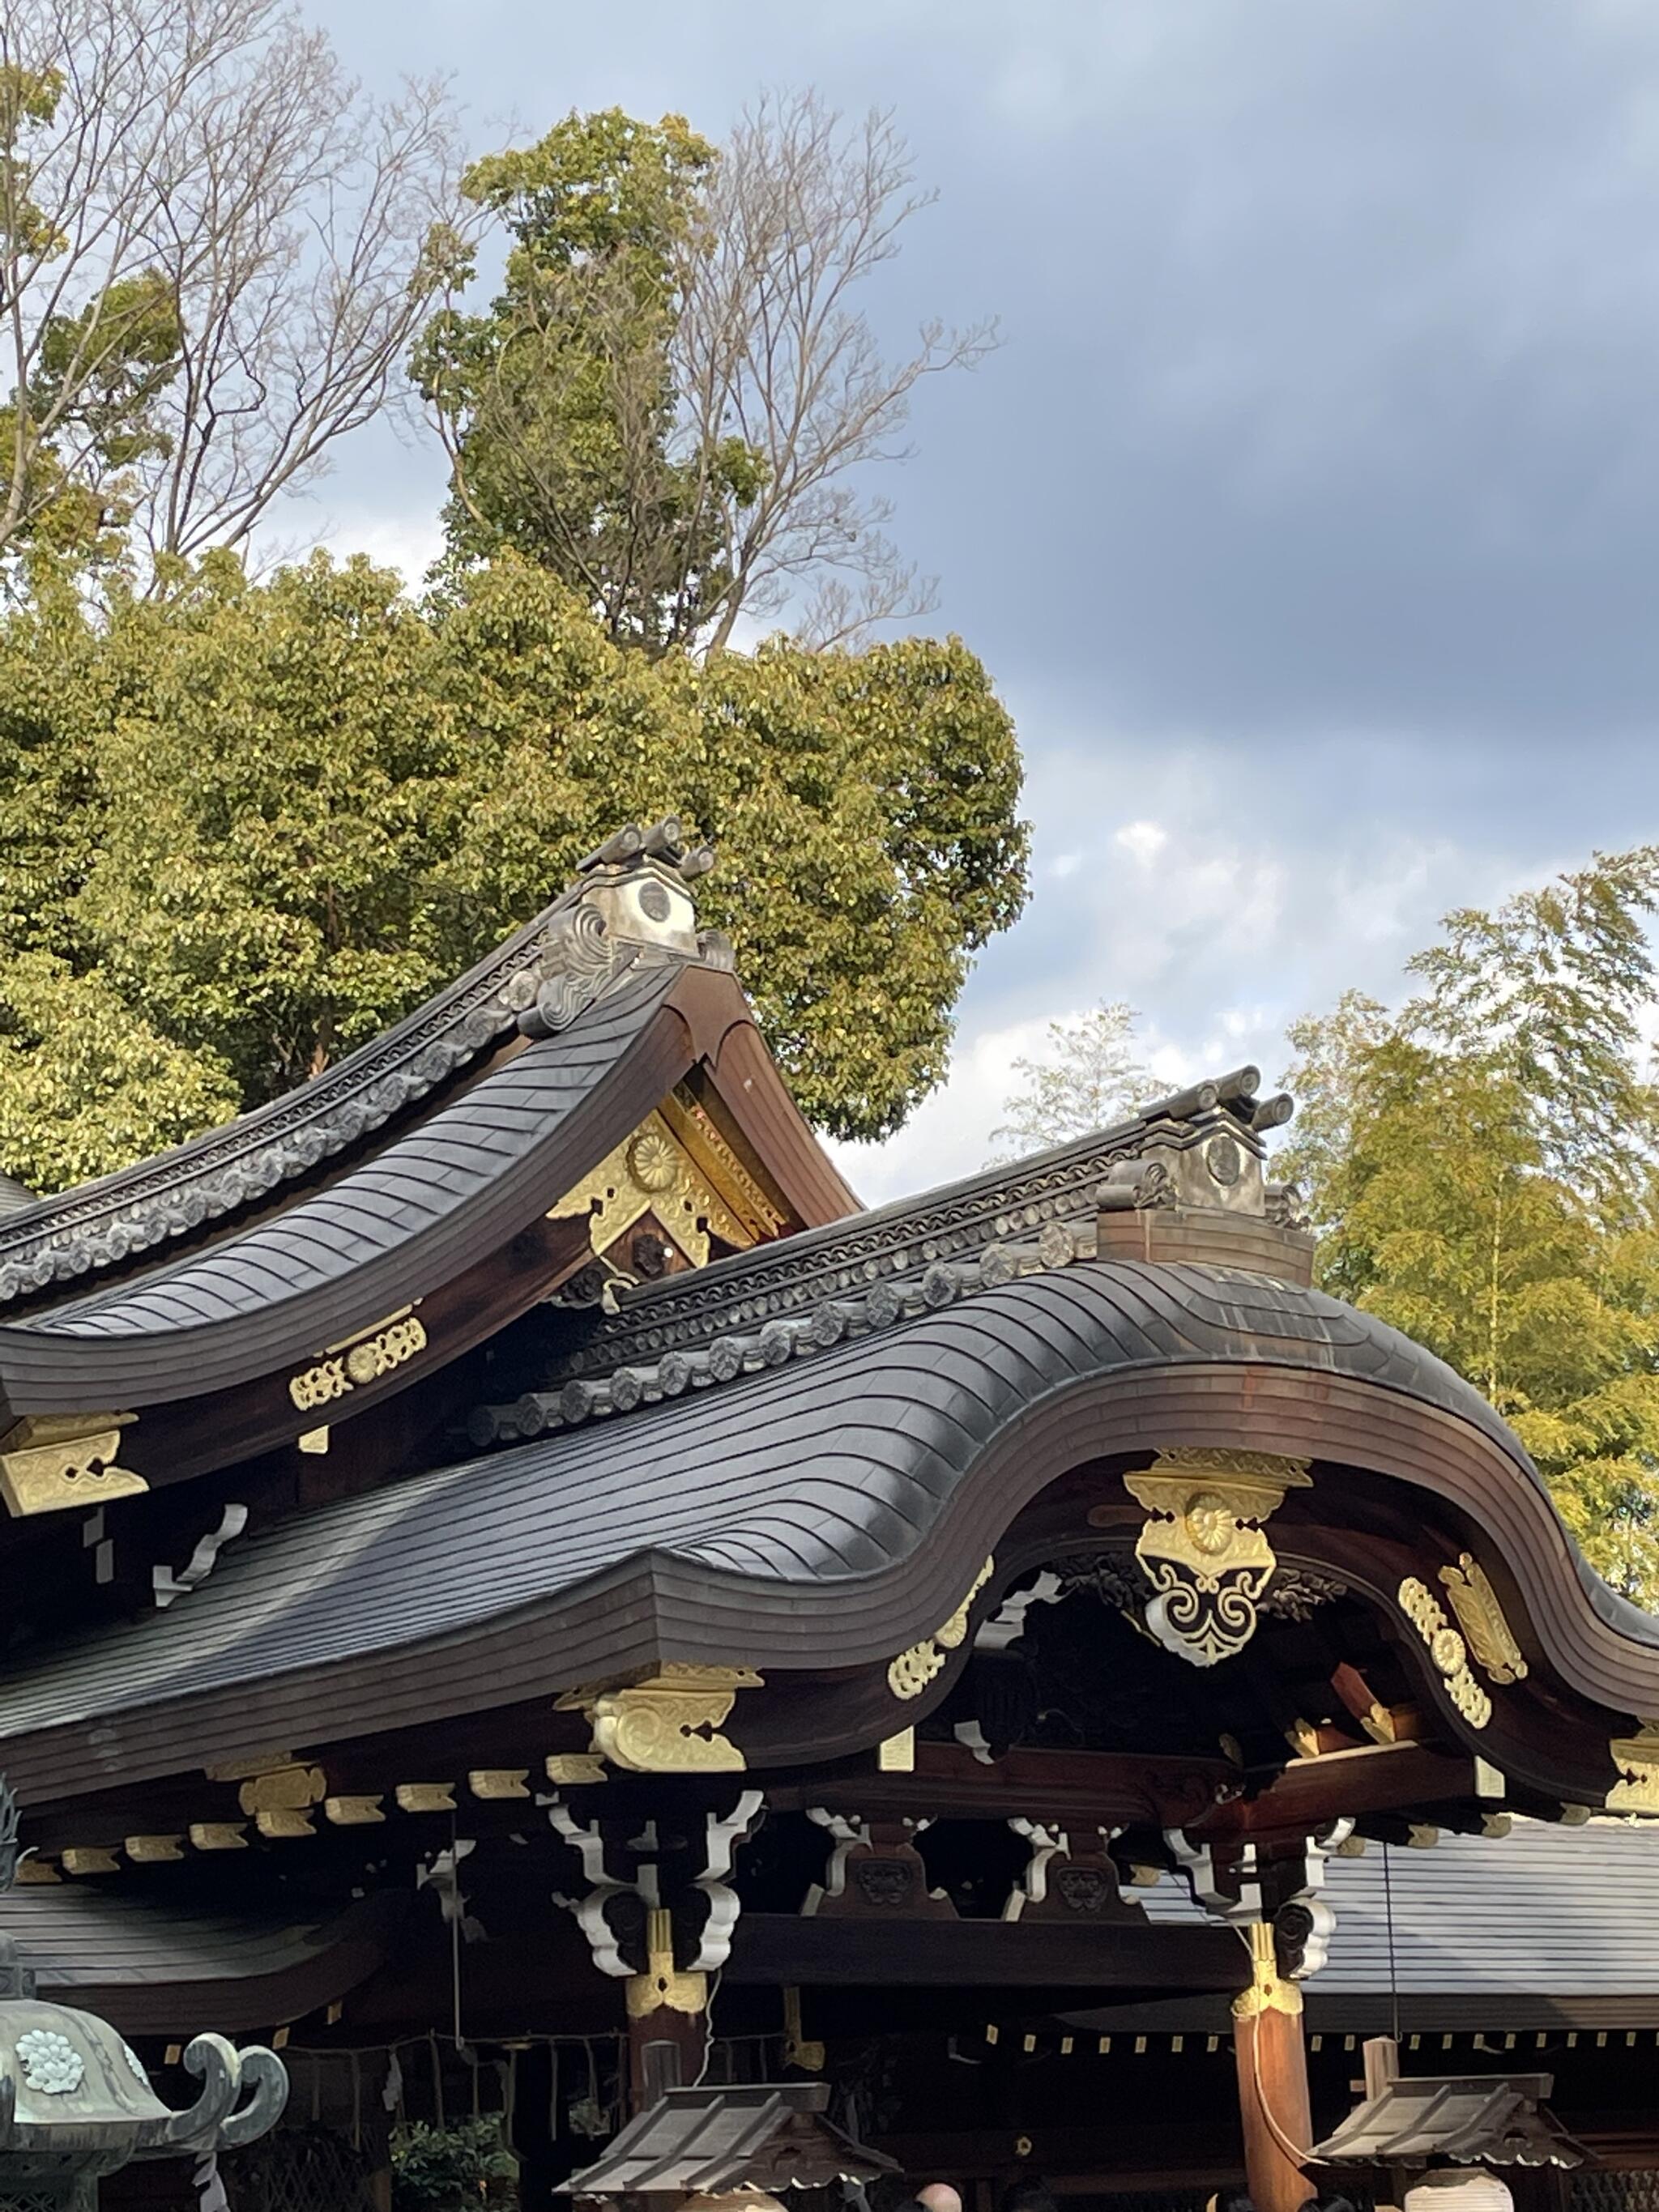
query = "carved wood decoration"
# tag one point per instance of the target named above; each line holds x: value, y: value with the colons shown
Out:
x: 1071, y: 1877
x: 1204, y: 1546
x: 874, y: 1872
x: 670, y: 1722
x: 1447, y: 1648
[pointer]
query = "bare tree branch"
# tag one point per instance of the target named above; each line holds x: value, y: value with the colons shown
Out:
x: 772, y: 347
x: 288, y: 235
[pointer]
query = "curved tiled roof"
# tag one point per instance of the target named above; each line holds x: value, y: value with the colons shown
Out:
x: 393, y: 1224
x: 821, y: 1476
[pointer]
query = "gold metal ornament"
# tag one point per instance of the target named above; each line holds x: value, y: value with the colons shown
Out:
x: 280, y: 1801
x: 651, y: 1173
x: 1636, y: 1758
x: 690, y: 1123
x: 1446, y: 1648
x: 354, y: 1812
x: 575, y: 1769
x: 1480, y: 1617
x: 668, y: 1724
x: 1268, y: 1991
x: 49, y: 1461
x: 494, y: 1782
x: 154, y: 1850
x: 662, y: 1985
x: 908, y: 1676
x: 90, y: 1858
x: 356, y: 1362
x: 425, y: 1796
x: 1203, y: 1546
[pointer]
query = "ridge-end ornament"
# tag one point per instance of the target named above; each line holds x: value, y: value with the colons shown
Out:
x: 1203, y: 1546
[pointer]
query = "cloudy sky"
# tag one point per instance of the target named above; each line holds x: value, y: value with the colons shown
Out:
x: 1308, y: 517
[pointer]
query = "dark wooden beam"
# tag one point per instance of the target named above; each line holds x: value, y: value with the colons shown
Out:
x: 776, y: 1948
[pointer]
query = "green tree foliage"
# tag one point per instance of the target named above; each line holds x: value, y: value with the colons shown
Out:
x: 243, y: 829
x: 1087, y: 1078
x: 671, y: 399
x: 559, y: 399
x: 453, y: 2169
x: 1482, y: 1164
x: 214, y: 253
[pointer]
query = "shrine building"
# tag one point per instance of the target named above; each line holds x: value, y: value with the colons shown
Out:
x: 526, y: 1597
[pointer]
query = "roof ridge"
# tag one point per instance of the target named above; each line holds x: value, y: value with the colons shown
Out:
x: 812, y: 1291
x: 631, y: 901
x: 997, y: 1205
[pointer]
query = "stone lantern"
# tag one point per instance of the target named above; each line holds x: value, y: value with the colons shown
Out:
x: 76, y: 2102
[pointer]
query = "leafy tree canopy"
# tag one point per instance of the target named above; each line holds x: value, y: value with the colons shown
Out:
x: 244, y: 828
x: 1482, y: 1162
x: 672, y: 398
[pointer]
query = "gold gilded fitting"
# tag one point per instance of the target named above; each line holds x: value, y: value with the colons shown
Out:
x: 50, y: 1461
x: 669, y: 1723
x: 1446, y: 1648
x: 652, y: 1172
x: 1204, y: 1545
x: 908, y: 1676
x: 1636, y: 1758
x: 661, y: 1986
x: 1268, y: 1991
x: 1480, y: 1617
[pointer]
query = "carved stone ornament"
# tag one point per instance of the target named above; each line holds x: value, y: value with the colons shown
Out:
x: 1268, y: 1991
x: 908, y: 1676
x: 1447, y: 1648
x: 670, y: 1722
x: 52, y: 1460
x: 1204, y: 1547
x: 653, y: 1173
x: 1480, y: 1617
x: 1636, y: 1758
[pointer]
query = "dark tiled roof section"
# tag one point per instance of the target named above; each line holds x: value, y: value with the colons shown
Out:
x: 149, y: 1965
x: 427, y: 1187
x: 1000, y: 1205
x: 103, y: 1223
x: 837, y: 1466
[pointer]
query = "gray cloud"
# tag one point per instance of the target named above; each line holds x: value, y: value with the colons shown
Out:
x: 1311, y: 510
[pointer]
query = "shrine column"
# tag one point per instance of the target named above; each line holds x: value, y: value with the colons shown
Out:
x: 667, y: 2020
x: 1273, y: 2081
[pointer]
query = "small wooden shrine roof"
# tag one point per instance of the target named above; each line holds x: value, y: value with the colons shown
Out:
x: 767, y: 2135
x: 1454, y: 2120
x: 825, y: 1511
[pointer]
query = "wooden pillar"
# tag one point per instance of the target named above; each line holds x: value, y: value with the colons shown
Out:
x: 667, y: 2020
x: 1272, y: 2083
